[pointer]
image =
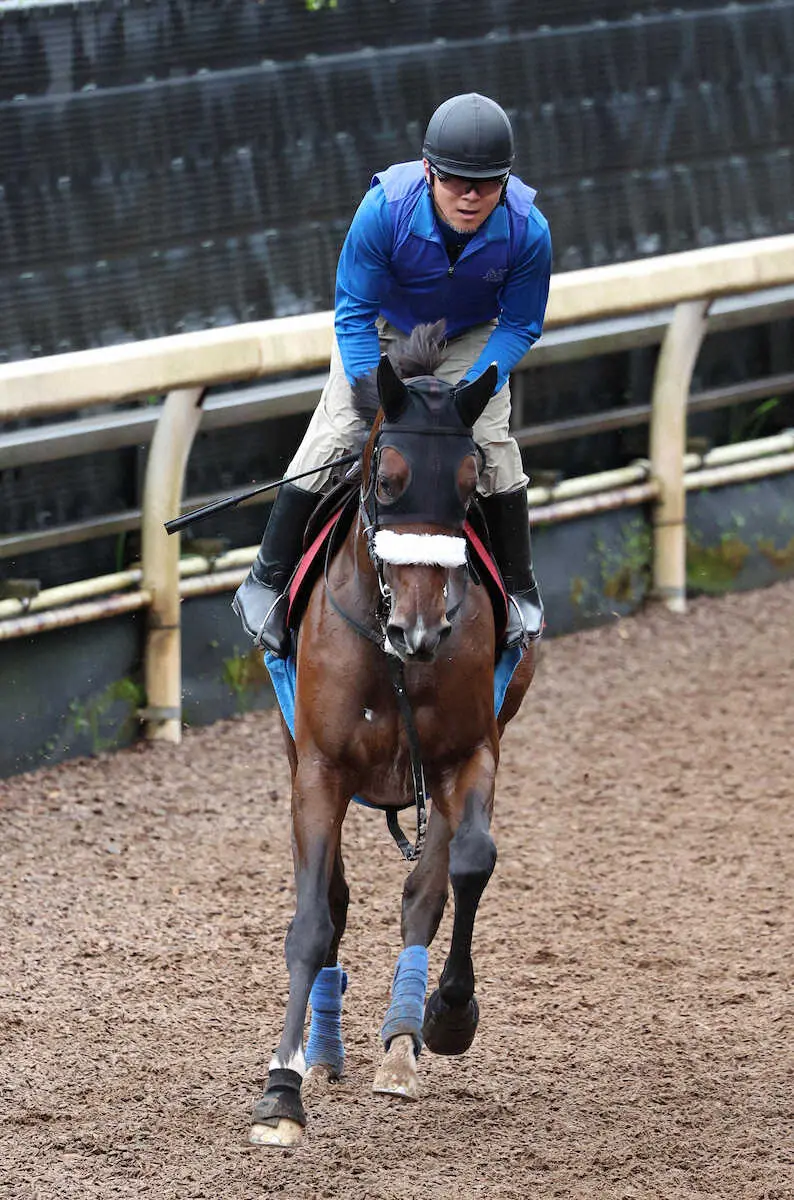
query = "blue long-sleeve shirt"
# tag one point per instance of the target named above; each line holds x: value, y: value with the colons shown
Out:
x: 394, y: 263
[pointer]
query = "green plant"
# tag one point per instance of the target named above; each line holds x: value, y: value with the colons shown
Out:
x: 621, y: 573
x: 236, y: 672
x: 120, y: 550
x: 245, y: 674
x: 624, y: 567
x: 781, y: 557
x: 87, y: 718
x: 747, y: 427
x: 713, y: 569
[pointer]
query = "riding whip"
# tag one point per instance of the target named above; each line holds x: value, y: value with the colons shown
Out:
x: 207, y: 510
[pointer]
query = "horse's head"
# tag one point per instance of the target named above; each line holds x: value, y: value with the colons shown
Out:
x: 420, y: 472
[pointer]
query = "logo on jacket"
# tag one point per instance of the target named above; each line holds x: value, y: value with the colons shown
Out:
x: 495, y: 275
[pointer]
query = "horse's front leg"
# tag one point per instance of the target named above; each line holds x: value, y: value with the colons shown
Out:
x: 325, y: 1051
x: 452, y: 1013
x: 317, y: 814
x: 424, y: 899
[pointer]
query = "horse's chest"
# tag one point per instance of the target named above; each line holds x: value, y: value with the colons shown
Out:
x: 379, y: 746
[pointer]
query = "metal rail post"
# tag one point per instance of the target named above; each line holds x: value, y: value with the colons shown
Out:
x: 162, y: 493
x: 667, y: 448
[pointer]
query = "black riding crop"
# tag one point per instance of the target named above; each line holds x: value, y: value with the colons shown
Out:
x: 198, y: 514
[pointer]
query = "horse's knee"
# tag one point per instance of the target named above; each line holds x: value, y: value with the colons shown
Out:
x: 472, y: 852
x: 474, y: 861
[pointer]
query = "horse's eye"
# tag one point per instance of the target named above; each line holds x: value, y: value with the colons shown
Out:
x: 393, y: 476
x: 467, y: 478
x: 387, y: 489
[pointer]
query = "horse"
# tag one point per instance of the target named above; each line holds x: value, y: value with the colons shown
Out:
x: 394, y: 703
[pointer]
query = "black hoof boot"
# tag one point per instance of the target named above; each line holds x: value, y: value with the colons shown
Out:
x: 281, y: 1100
x: 448, y: 1030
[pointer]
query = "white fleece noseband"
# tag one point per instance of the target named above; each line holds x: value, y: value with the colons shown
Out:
x: 420, y: 549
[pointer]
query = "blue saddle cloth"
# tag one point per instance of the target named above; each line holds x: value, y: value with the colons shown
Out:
x: 283, y: 674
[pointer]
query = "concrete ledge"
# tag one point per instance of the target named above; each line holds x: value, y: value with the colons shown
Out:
x: 655, y: 282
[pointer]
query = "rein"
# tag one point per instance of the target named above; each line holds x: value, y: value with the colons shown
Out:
x: 410, y: 853
x: 397, y: 675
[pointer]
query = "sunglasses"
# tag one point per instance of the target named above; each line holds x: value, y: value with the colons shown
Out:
x: 459, y: 184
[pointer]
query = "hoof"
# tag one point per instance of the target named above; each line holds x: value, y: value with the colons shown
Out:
x: 396, y: 1075
x: 449, y: 1030
x: 282, y: 1135
x: 279, y: 1118
x: 318, y: 1081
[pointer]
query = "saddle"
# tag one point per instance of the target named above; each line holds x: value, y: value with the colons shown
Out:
x: 333, y: 517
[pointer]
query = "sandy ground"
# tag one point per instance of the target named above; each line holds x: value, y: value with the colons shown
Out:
x: 633, y: 951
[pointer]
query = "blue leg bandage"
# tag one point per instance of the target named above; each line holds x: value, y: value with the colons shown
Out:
x: 324, y: 1047
x: 407, y: 1009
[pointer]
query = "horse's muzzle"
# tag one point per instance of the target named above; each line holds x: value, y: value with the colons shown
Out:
x: 417, y: 642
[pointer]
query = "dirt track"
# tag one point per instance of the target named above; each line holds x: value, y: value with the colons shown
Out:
x: 633, y: 951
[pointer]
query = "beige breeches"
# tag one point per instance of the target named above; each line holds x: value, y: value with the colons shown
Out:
x: 335, y: 428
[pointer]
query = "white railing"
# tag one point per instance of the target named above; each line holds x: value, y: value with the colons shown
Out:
x: 183, y: 365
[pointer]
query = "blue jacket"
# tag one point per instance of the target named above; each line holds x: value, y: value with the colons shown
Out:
x: 394, y: 264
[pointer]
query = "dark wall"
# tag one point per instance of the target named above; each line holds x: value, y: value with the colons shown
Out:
x: 177, y: 165
x: 592, y: 571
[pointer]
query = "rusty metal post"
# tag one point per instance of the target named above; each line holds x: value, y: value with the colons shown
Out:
x: 162, y: 493
x: 667, y: 448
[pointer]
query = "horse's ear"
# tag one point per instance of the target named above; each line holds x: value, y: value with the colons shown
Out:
x: 391, y: 389
x: 472, y: 397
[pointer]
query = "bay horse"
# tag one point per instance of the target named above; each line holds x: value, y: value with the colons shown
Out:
x: 394, y: 697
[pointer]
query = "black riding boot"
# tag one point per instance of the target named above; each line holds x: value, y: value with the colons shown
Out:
x: 261, y: 601
x: 507, y: 518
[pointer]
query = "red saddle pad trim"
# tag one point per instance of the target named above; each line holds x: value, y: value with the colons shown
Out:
x: 304, y: 567
x: 493, y: 578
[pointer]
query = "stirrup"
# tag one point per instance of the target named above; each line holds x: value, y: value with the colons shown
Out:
x: 524, y: 618
x: 263, y: 613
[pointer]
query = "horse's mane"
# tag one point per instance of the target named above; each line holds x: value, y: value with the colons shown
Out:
x: 420, y: 354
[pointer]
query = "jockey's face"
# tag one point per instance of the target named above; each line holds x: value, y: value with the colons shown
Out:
x: 463, y: 203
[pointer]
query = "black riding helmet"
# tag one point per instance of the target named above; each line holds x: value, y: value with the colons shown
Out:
x: 470, y: 135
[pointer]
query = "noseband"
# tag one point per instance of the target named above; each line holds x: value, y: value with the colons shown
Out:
x: 381, y: 555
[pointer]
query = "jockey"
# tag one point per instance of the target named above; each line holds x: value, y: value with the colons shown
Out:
x: 453, y: 236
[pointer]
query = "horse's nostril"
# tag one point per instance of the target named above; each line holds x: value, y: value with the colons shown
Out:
x: 396, y: 635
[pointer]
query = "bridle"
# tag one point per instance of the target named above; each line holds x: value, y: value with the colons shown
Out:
x: 371, y: 523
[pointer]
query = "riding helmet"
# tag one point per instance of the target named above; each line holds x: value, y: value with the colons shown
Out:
x: 470, y: 135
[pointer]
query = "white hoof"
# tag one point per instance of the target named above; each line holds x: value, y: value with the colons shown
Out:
x: 286, y: 1133
x: 397, y: 1075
